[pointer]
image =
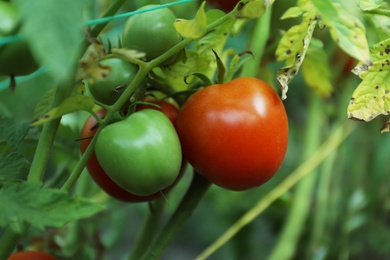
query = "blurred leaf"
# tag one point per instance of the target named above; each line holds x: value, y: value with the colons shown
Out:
x: 292, y: 12
x: 12, y: 166
x: 355, y: 222
x: 45, y: 103
x: 54, y: 31
x: 345, y: 28
x: 13, y: 130
x: 195, y: 28
x: 253, y: 9
x: 372, y: 97
x: 294, y: 44
x: 370, y: 4
x: 315, y: 69
x: 71, y: 104
x: 24, y: 202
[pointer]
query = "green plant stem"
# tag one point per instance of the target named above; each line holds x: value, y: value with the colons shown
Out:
x: 318, y: 235
x: 149, y: 228
x: 197, y: 189
x: 259, y: 40
x: 378, y: 11
x: 304, y: 169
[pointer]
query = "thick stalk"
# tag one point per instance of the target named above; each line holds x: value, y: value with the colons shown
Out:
x: 294, y: 226
x: 148, y: 229
x: 197, y: 189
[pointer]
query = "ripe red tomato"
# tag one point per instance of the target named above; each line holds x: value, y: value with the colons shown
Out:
x: 224, y: 5
x: 101, y: 178
x: 31, y: 255
x: 234, y: 134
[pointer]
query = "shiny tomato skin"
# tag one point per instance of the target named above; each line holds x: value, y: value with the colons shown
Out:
x: 31, y: 255
x: 100, y: 176
x: 234, y: 134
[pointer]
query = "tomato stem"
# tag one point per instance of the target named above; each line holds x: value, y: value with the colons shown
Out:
x: 149, y: 228
x: 197, y: 189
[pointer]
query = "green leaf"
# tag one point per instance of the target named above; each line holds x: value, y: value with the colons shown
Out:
x: 24, y: 202
x: 367, y: 5
x: 372, y: 96
x: 253, y: 9
x: 13, y: 130
x: 315, y: 69
x: 54, y: 32
x: 195, y: 28
x: 293, y: 46
x: 292, y: 12
x: 345, y: 28
x: 200, y: 59
x: 73, y: 103
x: 12, y: 166
x: 45, y: 103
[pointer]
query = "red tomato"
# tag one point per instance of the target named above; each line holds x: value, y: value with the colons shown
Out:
x: 31, y: 255
x: 167, y: 108
x: 101, y: 178
x: 224, y: 5
x: 234, y: 134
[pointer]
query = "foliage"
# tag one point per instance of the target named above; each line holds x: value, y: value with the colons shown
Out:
x: 328, y: 200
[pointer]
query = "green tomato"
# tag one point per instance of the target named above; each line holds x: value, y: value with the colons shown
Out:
x: 16, y: 59
x: 9, y: 18
x: 152, y: 32
x: 108, y: 91
x: 142, y: 153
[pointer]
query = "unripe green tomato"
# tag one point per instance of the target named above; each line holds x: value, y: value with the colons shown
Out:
x: 108, y: 91
x: 16, y: 59
x: 142, y: 153
x: 152, y: 32
x: 9, y: 18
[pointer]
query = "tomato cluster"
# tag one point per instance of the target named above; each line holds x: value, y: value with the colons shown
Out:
x: 234, y: 134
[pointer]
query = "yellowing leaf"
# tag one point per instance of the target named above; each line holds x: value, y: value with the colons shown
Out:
x: 372, y: 97
x: 253, y: 9
x: 345, y: 28
x: 292, y: 48
x: 292, y: 12
x: 195, y: 28
x: 315, y: 69
x: 370, y: 4
x: 69, y: 105
x: 386, y: 127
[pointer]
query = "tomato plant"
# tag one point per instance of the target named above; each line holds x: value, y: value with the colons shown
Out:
x: 151, y: 32
x: 100, y: 176
x: 142, y: 153
x: 109, y: 90
x: 234, y: 134
x: 31, y: 255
